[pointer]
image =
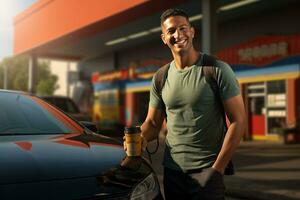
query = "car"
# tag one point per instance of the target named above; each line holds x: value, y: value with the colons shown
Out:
x: 67, y: 105
x: 45, y: 154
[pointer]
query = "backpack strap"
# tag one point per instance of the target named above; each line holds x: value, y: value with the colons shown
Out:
x: 160, y: 79
x: 208, y: 60
x: 209, y: 71
x: 208, y: 66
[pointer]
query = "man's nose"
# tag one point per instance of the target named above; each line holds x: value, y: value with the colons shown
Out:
x: 177, y: 33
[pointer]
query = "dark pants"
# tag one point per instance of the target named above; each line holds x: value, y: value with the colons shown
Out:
x: 206, y: 184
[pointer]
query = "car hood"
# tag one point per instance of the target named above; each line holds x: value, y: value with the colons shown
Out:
x: 51, y: 157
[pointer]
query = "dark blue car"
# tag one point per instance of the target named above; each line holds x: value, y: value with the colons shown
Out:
x: 44, y: 154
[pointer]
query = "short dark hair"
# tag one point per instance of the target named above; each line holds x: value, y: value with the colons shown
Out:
x: 172, y: 12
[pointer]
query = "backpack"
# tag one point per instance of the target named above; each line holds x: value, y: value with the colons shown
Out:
x: 208, y: 66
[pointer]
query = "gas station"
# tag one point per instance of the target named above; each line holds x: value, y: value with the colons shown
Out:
x: 118, y: 48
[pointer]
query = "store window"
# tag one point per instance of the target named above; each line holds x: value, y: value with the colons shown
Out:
x: 277, y: 101
x: 276, y: 87
x: 256, y: 89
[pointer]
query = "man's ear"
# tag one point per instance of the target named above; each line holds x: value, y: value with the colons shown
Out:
x: 193, y: 32
x: 162, y: 36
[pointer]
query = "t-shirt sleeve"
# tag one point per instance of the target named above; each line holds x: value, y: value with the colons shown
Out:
x: 228, y: 84
x: 155, y: 98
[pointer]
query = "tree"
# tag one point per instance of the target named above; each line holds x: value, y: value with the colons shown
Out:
x: 18, y: 75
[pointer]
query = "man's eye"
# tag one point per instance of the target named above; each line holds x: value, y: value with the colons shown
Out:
x: 183, y: 28
x: 171, y: 32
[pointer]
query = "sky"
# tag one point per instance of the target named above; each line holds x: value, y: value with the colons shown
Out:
x: 9, y: 9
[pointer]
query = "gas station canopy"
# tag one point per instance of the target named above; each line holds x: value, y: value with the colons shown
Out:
x: 79, y: 30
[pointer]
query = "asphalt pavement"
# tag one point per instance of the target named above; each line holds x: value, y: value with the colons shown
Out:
x: 263, y: 171
x: 266, y: 171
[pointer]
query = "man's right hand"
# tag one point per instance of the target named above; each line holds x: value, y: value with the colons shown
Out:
x: 150, y: 127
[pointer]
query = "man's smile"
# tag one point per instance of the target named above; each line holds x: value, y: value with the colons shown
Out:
x: 180, y: 43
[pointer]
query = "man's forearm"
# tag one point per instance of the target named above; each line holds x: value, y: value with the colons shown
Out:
x: 150, y: 130
x: 231, y: 141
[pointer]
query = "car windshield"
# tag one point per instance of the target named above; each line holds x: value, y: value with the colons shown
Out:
x: 24, y: 114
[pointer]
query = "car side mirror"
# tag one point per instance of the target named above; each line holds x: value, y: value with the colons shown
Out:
x: 90, y: 125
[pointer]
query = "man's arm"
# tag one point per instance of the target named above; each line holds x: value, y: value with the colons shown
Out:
x: 152, y: 125
x: 235, y: 111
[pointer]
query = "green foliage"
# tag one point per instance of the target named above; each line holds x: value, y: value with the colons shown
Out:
x: 1, y: 77
x: 47, y: 86
x: 18, y: 75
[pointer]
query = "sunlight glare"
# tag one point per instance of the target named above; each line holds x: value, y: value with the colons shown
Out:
x: 6, y: 12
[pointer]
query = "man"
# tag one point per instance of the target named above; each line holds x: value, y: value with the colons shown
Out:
x: 197, y: 149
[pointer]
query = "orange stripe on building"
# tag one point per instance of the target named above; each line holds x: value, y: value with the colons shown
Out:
x: 291, y: 111
x: 70, y: 21
x: 51, y: 19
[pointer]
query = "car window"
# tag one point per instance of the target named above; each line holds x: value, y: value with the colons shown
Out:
x: 71, y: 107
x: 23, y: 114
x: 65, y: 104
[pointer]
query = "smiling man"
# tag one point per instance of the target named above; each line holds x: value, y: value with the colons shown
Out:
x: 198, y: 143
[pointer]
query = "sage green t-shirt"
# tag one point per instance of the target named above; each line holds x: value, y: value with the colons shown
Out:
x: 194, y: 119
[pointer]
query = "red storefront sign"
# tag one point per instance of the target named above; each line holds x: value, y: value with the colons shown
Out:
x: 110, y: 76
x: 142, y: 70
x: 262, y: 50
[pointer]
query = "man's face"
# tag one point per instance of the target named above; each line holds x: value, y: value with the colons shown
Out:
x: 178, y: 34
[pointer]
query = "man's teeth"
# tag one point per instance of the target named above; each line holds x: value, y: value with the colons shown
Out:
x: 180, y: 42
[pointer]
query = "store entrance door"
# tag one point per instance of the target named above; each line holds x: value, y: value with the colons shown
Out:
x: 257, y: 116
x: 257, y: 108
